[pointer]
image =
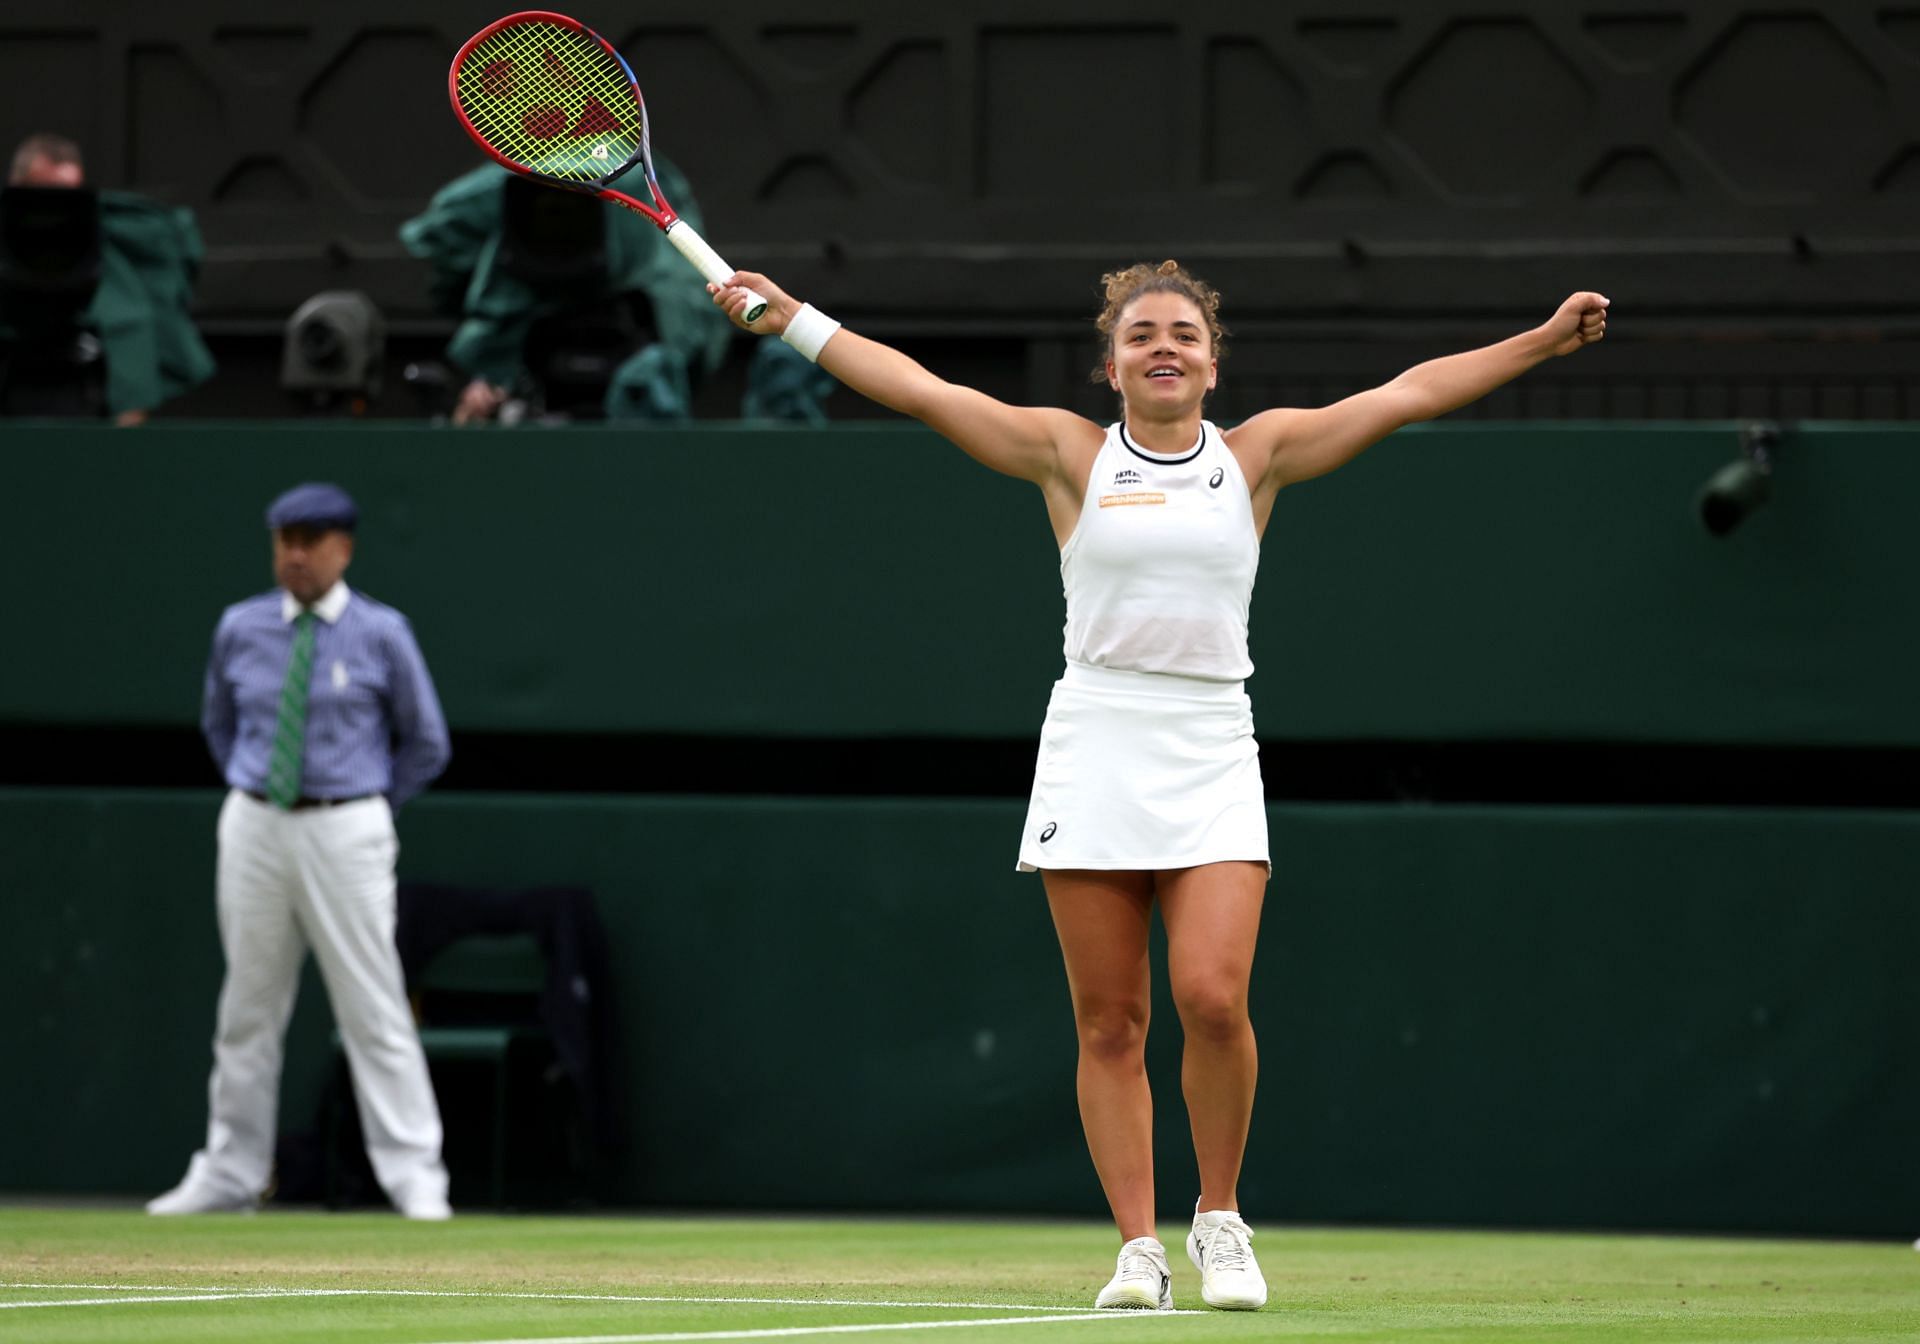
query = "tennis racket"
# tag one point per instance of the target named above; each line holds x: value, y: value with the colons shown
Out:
x: 552, y: 100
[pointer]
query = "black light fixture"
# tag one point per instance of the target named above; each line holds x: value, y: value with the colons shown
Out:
x: 1743, y: 485
x: 335, y: 344
x: 52, y: 361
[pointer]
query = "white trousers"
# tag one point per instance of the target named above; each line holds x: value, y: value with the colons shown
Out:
x: 320, y: 878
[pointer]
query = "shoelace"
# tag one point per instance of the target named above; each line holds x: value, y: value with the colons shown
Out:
x: 1224, y: 1246
x: 1141, y: 1263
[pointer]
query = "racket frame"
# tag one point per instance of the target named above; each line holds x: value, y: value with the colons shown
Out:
x: 686, y: 240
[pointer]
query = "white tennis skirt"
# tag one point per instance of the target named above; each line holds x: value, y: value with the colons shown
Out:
x: 1143, y: 771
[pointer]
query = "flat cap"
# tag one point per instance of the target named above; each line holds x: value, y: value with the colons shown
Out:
x: 314, y: 504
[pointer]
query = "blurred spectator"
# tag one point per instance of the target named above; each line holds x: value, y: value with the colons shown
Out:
x: 47, y: 161
x: 578, y: 307
x: 95, y: 288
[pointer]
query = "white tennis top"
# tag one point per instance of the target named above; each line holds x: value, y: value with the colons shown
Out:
x: 1159, y: 570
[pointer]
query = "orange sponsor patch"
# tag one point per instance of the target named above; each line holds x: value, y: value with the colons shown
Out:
x: 1137, y: 497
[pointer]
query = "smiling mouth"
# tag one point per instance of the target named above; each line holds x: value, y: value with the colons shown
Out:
x: 1165, y: 373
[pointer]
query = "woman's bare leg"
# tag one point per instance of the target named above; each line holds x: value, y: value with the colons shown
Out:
x: 1212, y: 914
x: 1102, y: 920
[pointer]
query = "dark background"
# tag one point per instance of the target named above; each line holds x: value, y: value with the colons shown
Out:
x: 1594, y: 835
x: 1368, y: 186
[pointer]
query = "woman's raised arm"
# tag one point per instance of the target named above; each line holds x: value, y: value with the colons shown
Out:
x: 1297, y: 445
x: 1021, y: 441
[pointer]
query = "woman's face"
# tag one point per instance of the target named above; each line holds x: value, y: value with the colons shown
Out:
x: 1162, y: 354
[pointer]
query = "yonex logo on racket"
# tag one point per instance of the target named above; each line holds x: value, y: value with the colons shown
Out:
x: 547, y: 121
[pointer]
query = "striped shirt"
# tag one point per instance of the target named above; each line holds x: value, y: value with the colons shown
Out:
x: 373, y: 721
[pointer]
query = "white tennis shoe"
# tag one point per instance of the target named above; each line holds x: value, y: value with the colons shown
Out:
x: 191, y: 1196
x: 1141, y: 1280
x: 1220, y: 1248
x: 425, y: 1209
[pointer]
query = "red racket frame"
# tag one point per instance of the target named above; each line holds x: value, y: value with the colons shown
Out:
x: 663, y: 215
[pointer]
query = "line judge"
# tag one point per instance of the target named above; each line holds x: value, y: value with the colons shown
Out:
x: 321, y: 715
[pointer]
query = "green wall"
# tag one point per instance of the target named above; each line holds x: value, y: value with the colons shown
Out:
x: 1689, y: 1019
x: 1623, y: 1017
x: 1458, y: 582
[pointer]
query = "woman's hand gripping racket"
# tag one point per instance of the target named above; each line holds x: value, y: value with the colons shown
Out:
x: 551, y: 99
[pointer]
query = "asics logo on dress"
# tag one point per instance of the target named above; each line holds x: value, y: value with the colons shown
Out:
x: 1219, y: 475
x: 1047, y: 834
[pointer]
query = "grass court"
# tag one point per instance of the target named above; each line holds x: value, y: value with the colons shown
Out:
x: 91, y: 1274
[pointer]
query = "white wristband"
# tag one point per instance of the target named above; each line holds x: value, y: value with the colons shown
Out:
x: 808, y: 330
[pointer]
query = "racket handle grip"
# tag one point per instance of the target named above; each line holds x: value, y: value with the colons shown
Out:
x: 706, y: 261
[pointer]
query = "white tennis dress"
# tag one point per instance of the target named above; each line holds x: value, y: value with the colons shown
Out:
x: 1147, y: 758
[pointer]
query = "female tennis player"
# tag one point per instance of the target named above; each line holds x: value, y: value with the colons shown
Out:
x: 1148, y: 787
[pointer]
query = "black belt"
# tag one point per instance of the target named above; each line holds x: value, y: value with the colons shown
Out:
x: 302, y: 804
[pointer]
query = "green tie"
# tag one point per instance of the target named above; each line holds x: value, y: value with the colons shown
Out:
x: 290, y: 733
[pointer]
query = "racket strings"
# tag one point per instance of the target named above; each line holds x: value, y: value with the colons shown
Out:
x: 553, y: 100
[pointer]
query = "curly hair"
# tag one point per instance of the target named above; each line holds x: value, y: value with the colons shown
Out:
x: 1169, y: 277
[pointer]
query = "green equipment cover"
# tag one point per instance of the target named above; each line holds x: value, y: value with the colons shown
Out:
x: 459, y: 235
x: 150, y: 257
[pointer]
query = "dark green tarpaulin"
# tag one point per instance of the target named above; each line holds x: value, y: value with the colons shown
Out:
x: 459, y: 234
x: 150, y: 259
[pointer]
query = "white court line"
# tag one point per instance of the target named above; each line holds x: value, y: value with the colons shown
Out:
x: 128, y: 1301
x: 108, y: 1287
x: 185, y: 1294
x: 830, y: 1329
x: 535, y: 1297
